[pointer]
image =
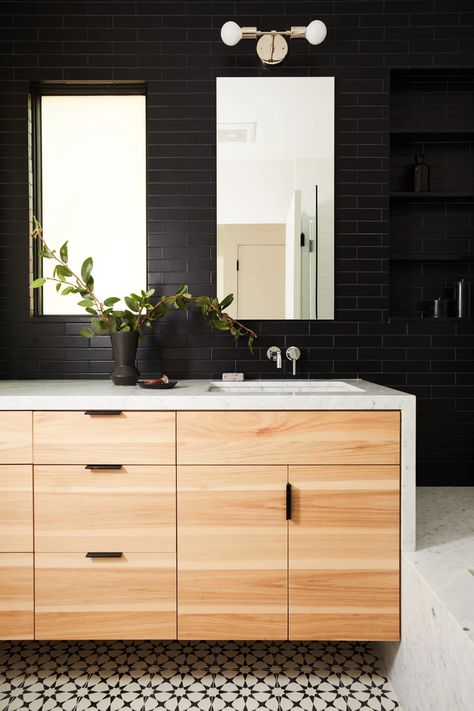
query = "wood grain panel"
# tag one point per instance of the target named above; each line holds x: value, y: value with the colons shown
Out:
x: 16, y: 596
x: 15, y: 437
x: 232, y: 553
x: 270, y: 437
x: 133, y: 597
x: 132, y: 509
x: 16, y: 508
x: 128, y: 438
x: 344, y: 552
x: 343, y: 624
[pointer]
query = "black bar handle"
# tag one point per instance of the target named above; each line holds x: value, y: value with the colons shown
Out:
x: 288, y: 502
x: 103, y: 412
x: 102, y: 554
x: 94, y: 467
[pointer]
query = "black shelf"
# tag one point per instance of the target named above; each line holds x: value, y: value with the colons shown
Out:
x: 430, y: 257
x: 444, y: 194
x: 427, y: 253
x: 442, y: 132
x: 423, y: 317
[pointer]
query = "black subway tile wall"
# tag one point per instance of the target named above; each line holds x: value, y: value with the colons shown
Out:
x: 176, y: 48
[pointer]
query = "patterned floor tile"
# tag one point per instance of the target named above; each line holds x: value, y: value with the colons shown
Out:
x: 365, y: 684
x: 192, y: 676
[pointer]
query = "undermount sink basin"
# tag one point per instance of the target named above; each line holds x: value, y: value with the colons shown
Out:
x: 282, y: 387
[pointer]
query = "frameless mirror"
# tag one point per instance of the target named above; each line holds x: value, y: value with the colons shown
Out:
x: 275, y: 196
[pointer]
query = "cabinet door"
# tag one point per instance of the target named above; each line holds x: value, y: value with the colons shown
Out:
x: 232, y: 552
x: 16, y: 595
x: 344, y: 553
x: 15, y: 438
x: 16, y: 508
x: 129, y: 597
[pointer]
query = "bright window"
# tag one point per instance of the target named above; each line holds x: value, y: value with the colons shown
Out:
x: 93, y: 190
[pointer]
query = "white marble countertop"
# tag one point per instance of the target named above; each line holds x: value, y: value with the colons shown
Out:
x: 188, y: 395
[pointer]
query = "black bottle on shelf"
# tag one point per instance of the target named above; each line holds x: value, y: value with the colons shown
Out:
x: 421, y: 175
x: 462, y: 299
x: 440, y: 307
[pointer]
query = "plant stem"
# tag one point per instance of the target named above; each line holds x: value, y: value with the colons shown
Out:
x: 38, y: 232
x: 232, y: 321
x: 144, y: 316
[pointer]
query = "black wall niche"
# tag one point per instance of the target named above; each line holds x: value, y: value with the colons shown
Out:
x: 176, y: 48
x: 431, y: 233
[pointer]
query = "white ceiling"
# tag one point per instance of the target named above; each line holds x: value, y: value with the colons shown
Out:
x: 294, y: 116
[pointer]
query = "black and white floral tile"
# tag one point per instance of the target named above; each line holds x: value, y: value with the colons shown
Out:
x: 189, y: 676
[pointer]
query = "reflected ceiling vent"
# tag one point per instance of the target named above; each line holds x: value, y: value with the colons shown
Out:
x: 236, y: 132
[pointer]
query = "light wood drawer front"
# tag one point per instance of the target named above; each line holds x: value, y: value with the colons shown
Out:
x: 77, y: 509
x: 276, y: 437
x: 344, y: 552
x: 16, y: 596
x: 16, y: 508
x: 16, y: 438
x: 126, y: 438
x: 337, y: 624
x: 232, y: 552
x: 133, y: 597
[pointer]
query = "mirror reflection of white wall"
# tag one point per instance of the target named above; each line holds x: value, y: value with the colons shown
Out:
x: 275, y: 196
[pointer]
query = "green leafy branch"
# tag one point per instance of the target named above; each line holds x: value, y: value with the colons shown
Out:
x: 141, y: 311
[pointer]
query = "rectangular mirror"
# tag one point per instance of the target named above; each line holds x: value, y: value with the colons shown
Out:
x: 275, y: 196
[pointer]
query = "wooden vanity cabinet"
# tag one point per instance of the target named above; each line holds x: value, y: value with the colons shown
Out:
x: 16, y: 438
x: 16, y: 508
x: 16, y: 596
x: 132, y: 508
x: 232, y: 552
x: 338, y: 554
x: 111, y: 437
x: 289, y: 437
x: 105, y: 525
x: 128, y: 597
x: 16, y: 526
x: 343, y: 555
x: 200, y: 525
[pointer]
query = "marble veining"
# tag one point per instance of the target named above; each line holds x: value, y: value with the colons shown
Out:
x: 188, y: 395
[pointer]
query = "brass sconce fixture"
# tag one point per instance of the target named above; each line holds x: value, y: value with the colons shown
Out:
x: 272, y: 46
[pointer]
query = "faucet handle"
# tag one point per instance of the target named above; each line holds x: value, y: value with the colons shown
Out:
x: 274, y: 353
x: 293, y: 353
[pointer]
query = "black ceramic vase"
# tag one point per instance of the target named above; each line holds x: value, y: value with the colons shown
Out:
x: 124, y: 346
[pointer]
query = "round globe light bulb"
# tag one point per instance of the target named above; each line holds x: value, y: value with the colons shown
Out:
x: 316, y: 32
x: 231, y: 33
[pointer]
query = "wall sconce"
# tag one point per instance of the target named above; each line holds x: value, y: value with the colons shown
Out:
x: 272, y: 46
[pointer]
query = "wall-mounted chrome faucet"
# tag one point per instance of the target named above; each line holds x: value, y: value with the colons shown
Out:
x: 293, y: 353
x: 274, y: 353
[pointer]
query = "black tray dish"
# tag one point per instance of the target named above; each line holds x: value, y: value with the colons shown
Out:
x: 150, y: 384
